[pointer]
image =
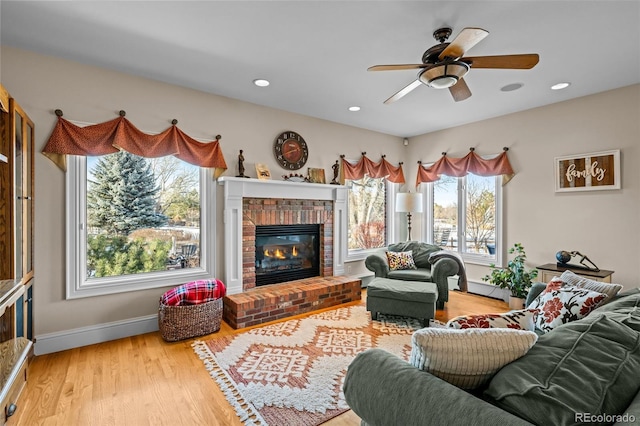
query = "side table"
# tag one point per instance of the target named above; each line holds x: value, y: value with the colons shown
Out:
x: 550, y: 270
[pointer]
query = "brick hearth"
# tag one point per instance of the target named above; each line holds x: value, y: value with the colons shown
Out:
x: 272, y: 302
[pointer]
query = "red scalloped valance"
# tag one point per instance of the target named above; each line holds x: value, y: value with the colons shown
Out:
x: 375, y: 170
x: 470, y: 163
x: 110, y: 136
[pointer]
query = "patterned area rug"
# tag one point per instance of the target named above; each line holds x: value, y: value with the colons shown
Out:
x: 291, y: 373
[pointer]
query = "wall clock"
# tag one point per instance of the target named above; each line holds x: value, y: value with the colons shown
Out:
x: 291, y: 150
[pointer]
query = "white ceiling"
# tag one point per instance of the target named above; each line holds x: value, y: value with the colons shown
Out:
x: 316, y: 53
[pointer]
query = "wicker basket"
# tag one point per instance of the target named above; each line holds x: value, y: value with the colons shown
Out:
x: 183, y: 322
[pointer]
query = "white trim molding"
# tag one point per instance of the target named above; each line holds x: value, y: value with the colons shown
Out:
x: 84, y: 336
x: 77, y: 283
x: 235, y: 189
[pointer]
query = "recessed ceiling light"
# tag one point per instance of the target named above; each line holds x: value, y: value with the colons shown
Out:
x: 560, y: 86
x: 354, y: 108
x: 260, y: 82
x: 511, y: 87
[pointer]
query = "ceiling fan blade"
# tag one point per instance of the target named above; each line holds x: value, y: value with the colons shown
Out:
x: 396, y: 67
x: 525, y: 61
x: 460, y: 91
x: 464, y: 41
x: 399, y: 94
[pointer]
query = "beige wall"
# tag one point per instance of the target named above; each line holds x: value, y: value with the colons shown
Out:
x: 602, y: 224
x: 87, y: 94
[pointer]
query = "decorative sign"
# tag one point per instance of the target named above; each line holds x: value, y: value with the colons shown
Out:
x: 588, y: 172
x: 316, y: 175
x: 262, y: 170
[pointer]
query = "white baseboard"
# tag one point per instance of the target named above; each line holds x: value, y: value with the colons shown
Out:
x: 489, y: 290
x: 78, y: 337
x: 75, y: 338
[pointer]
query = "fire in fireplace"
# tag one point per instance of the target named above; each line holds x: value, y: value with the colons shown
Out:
x: 286, y: 253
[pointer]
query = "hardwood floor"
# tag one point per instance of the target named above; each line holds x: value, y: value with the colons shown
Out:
x: 143, y: 380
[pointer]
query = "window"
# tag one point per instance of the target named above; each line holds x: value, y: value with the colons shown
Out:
x: 465, y: 216
x: 367, y: 215
x: 135, y: 223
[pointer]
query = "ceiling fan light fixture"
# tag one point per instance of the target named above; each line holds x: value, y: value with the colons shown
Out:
x: 443, y: 76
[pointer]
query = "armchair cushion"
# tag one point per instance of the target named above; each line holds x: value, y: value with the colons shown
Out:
x: 411, y: 275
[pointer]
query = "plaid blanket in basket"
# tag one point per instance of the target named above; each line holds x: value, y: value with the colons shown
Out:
x: 194, y: 293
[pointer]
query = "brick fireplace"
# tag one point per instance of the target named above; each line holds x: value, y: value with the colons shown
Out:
x: 283, y: 211
x: 251, y: 202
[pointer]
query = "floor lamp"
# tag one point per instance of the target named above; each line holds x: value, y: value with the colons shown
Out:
x: 409, y: 202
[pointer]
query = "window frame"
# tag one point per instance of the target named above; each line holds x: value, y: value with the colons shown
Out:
x: 474, y: 258
x: 391, y: 223
x: 77, y: 284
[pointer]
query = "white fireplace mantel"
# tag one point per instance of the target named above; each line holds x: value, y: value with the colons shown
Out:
x: 235, y: 189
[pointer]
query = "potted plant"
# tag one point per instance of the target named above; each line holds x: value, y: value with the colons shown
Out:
x: 515, y: 277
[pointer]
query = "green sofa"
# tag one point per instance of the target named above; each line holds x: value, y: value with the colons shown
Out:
x: 436, y: 273
x: 583, y: 372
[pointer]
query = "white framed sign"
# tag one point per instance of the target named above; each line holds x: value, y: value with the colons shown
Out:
x: 588, y: 172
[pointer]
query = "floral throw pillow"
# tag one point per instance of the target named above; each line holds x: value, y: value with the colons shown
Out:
x: 400, y: 260
x: 556, y: 283
x: 564, y: 305
x: 523, y: 319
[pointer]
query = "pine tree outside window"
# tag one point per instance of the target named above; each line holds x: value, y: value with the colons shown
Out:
x: 136, y: 223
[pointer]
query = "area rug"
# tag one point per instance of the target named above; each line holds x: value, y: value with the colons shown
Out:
x: 291, y: 373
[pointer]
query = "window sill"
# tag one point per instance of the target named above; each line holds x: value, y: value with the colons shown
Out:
x: 124, y: 284
x: 356, y: 255
x: 479, y: 260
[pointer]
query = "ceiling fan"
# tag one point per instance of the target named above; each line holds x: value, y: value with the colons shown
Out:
x: 444, y: 65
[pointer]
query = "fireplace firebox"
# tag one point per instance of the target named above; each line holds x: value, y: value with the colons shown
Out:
x: 286, y: 253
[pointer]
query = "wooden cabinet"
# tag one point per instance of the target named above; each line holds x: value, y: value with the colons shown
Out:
x: 13, y: 373
x: 22, y: 144
x: 16, y: 249
x: 24, y: 312
x: 550, y: 270
x: 6, y: 188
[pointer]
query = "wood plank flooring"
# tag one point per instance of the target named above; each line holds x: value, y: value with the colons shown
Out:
x: 143, y: 380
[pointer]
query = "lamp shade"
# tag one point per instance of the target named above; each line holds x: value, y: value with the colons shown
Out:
x: 409, y: 202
